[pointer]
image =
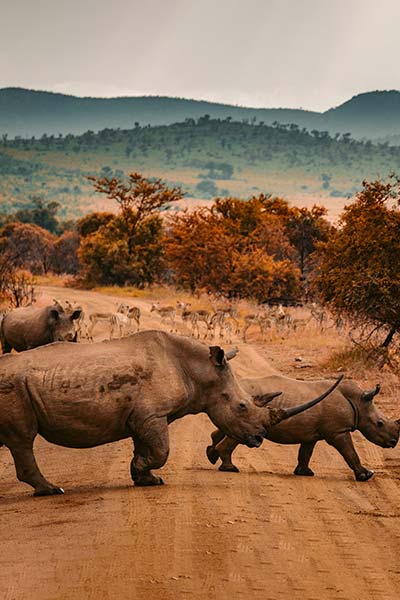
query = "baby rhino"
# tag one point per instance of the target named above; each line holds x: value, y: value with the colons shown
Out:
x: 348, y: 408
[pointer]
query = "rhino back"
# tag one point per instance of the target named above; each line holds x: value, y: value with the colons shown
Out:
x: 334, y: 413
x: 83, y: 395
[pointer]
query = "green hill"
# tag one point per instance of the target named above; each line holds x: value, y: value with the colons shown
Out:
x: 29, y: 113
x: 208, y: 157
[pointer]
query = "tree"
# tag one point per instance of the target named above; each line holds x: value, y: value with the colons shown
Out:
x: 199, y: 252
x: 235, y: 248
x: 28, y: 246
x: 359, y: 266
x: 257, y: 275
x: 41, y: 214
x: 18, y: 288
x: 64, y: 257
x: 127, y: 247
x: 109, y: 256
x: 305, y: 228
x: 207, y: 188
x: 92, y: 222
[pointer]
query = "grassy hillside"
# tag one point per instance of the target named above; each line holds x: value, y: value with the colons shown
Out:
x: 29, y: 113
x: 207, y: 157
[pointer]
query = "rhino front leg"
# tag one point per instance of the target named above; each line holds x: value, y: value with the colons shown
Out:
x: 225, y: 449
x: 28, y: 471
x: 216, y: 437
x: 303, y: 458
x: 151, y: 452
x: 344, y: 444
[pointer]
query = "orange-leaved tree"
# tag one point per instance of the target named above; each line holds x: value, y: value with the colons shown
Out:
x: 28, y: 246
x: 126, y: 248
x: 359, y: 267
x: 236, y: 248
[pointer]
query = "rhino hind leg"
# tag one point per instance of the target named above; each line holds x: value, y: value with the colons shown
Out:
x: 303, y: 459
x: 151, y: 452
x: 5, y: 346
x: 28, y: 471
x: 344, y: 444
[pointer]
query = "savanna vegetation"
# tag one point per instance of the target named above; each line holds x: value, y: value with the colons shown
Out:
x: 205, y: 157
x: 358, y: 268
x: 260, y: 249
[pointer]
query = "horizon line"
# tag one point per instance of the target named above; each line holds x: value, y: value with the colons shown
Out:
x: 190, y: 99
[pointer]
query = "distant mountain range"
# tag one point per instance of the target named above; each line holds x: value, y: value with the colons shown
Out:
x: 26, y: 113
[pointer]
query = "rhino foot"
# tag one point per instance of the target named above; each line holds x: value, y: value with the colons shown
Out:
x: 212, y: 454
x: 364, y: 476
x: 48, y: 491
x: 303, y: 471
x: 229, y: 468
x: 148, y: 480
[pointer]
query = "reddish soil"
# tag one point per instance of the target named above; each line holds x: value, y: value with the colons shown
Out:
x: 262, y: 534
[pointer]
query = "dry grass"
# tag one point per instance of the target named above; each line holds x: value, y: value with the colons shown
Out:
x: 322, y: 353
x: 53, y: 280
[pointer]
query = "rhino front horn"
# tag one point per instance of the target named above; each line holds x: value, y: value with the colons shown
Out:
x: 232, y: 353
x: 277, y: 415
x: 369, y: 395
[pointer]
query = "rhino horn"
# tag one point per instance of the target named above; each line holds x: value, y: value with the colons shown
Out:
x: 232, y: 353
x: 277, y: 415
x: 263, y: 399
x: 369, y: 395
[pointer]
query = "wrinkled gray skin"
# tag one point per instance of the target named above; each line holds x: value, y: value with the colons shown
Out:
x: 30, y: 327
x: 80, y: 396
x: 86, y: 395
x: 332, y: 421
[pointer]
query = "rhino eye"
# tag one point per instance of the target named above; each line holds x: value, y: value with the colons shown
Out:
x: 380, y: 423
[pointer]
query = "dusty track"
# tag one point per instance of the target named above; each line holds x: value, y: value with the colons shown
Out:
x: 263, y: 533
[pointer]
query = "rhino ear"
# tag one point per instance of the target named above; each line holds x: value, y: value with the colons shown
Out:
x: 263, y: 399
x: 54, y: 314
x: 76, y: 314
x: 217, y: 356
x: 369, y: 395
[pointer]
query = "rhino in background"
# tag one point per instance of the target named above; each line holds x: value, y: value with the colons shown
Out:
x: 82, y: 396
x: 30, y: 327
x: 347, y: 409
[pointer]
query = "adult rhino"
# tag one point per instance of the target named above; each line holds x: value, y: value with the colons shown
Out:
x: 348, y: 408
x: 30, y: 327
x: 83, y: 395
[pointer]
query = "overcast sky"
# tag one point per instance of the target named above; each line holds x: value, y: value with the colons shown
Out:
x: 313, y: 54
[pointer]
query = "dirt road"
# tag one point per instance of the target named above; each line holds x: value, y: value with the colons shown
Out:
x: 262, y: 534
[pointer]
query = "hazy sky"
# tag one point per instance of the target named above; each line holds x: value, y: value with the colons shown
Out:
x: 312, y: 54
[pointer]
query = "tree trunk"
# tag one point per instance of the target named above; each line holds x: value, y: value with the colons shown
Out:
x: 389, y: 337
